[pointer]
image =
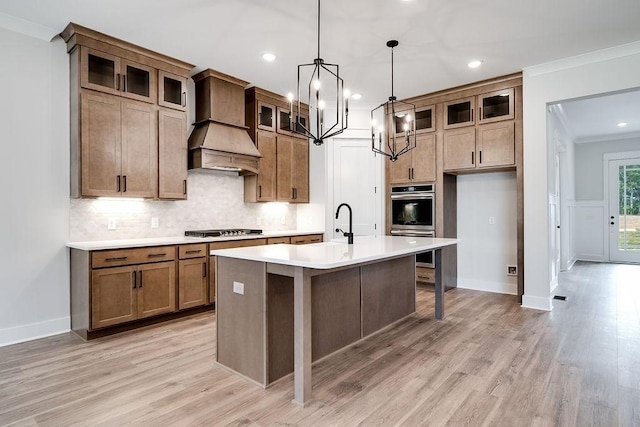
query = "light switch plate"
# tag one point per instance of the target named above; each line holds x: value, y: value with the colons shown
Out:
x: 238, y: 288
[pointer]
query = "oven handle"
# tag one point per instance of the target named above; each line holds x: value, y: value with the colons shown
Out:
x: 412, y: 196
x: 413, y: 233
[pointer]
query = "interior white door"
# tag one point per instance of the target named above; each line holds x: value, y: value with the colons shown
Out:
x: 354, y: 182
x: 624, y: 210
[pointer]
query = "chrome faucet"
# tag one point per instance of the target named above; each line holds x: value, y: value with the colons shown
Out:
x: 348, y: 235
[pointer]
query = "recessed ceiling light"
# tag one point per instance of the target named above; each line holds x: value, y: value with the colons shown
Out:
x: 622, y: 124
x: 269, y: 57
x: 474, y: 64
x: 356, y: 96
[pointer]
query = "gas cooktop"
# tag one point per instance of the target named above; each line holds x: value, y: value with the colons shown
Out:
x: 221, y: 233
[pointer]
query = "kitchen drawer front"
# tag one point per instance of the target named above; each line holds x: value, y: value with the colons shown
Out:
x: 237, y: 244
x: 275, y: 240
x: 425, y: 275
x: 118, y: 257
x: 192, y: 251
x: 303, y: 240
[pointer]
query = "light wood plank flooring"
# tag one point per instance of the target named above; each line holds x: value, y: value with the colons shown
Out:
x: 489, y: 363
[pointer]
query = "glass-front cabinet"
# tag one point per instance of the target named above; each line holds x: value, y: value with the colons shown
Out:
x: 172, y: 91
x: 496, y: 106
x: 266, y: 116
x: 284, y: 121
x: 459, y: 113
x: 108, y: 73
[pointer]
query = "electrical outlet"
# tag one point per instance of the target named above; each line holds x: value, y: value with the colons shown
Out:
x: 154, y: 222
x: 512, y: 270
x: 111, y: 224
x: 492, y: 220
x: 238, y: 288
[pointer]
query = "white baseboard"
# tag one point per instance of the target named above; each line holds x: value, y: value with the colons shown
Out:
x: 537, y: 303
x: 590, y: 257
x: 32, y: 331
x: 553, y: 286
x: 486, y: 286
x: 570, y: 264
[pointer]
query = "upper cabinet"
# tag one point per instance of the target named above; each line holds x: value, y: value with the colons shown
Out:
x: 459, y: 113
x: 108, y: 73
x: 172, y: 91
x: 128, y: 118
x: 485, y: 108
x: 283, y: 171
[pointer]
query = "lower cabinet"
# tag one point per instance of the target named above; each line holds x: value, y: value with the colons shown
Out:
x: 303, y: 240
x: 122, y: 294
x: 425, y: 275
x: 193, y: 277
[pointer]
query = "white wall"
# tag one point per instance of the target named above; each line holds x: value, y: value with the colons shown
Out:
x: 486, y: 249
x: 34, y: 170
x: 589, y: 169
x: 595, y: 73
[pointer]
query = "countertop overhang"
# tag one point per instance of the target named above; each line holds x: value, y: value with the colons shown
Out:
x: 336, y: 253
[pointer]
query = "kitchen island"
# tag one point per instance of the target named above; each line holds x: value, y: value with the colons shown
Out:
x: 281, y: 307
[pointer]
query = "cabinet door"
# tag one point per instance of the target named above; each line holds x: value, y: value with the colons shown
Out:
x: 156, y: 289
x: 266, y: 116
x: 425, y: 119
x: 459, y: 113
x: 459, y: 149
x: 138, y: 81
x: 496, y: 106
x: 113, y: 296
x: 284, y: 191
x: 193, y: 283
x: 139, y: 150
x: 424, y: 158
x: 400, y: 170
x: 267, y: 177
x: 283, y: 117
x: 100, y: 136
x: 496, y: 145
x: 172, y: 91
x: 172, y: 154
x: 300, y: 170
x: 100, y: 71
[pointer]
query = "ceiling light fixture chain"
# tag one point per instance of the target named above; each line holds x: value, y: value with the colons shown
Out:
x: 320, y: 98
x: 398, y: 118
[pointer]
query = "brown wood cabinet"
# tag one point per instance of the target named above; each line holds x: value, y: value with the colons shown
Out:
x: 292, y: 170
x: 484, y: 146
x: 123, y: 141
x: 119, y: 146
x: 123, y: 294
x: 418, y: 165
x: 172, y: 155
x: 284, y: 166
x: 303, y: 240
x: 193, y: 276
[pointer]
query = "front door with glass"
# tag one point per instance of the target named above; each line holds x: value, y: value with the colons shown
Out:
x: 624, y: 210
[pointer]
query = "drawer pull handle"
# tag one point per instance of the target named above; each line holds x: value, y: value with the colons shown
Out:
x: 157, y: 255
x: 134, y: 279
x: 204, y: 269
x: 120, y: 258
x: 140, y: 284
x: 194, y: 251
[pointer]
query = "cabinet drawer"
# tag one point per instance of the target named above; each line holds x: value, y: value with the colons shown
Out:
x: 303, y: 240
x: 119, y: 257
x: 426, y: 275
x: 274, y: 240
x: 192, y: 251
x: 237, y: 244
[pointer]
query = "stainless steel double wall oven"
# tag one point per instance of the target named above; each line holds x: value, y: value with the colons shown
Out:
x: 413, y: 214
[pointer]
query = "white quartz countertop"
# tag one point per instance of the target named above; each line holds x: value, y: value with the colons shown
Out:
x: 337, y: 253
x: 179, y: 240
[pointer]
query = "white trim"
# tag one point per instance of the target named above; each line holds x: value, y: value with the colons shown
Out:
x: 22, y: 333
x: 537, y: 303
x: 584, y: 59
x: 608, y: 138
x: 488, y: 286
x: 31, y: 29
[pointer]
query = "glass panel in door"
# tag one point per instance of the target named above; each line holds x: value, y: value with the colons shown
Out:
x: 625, y: 210
x: 459, y: 113
x: 102, y: 71
x: 137, y: 81
x: 495, y: 106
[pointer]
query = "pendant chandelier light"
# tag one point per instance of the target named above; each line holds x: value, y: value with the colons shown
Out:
x: 325, y: 88
x: 399, y: 118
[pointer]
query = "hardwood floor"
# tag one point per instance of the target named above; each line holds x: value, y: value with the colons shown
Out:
x: 490, y: 362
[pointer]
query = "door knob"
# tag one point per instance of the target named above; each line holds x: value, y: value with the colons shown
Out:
x: 611, y: 222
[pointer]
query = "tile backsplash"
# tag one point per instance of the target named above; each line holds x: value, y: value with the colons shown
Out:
x: 216, y: 200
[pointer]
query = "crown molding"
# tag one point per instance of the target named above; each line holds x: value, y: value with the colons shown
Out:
x: 28, y: 28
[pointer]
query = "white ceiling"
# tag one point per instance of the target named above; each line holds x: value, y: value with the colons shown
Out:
x: 595, y: 119
x: 437, y: 37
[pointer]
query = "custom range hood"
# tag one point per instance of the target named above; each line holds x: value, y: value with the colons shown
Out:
x: 219, y: 140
